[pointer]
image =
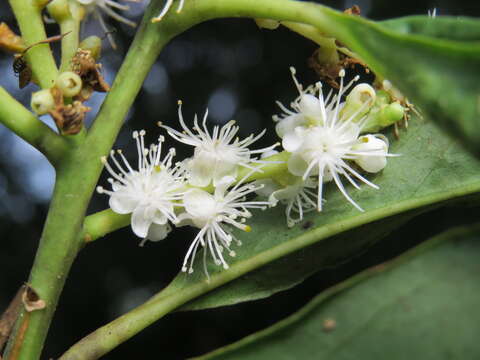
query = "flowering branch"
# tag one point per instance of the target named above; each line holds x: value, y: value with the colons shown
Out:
x: 29, y: 16
x: 62, y: 236
x: 23, y: 123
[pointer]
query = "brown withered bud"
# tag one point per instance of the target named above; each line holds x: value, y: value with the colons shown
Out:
x: 68, y: 118
x: 354, y: 10
x: 328, y: 72
x: 9, y: 41
x: 84, y: 65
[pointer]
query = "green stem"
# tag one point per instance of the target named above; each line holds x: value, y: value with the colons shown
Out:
x: 102, y: 223
x: 69, y: 42
x: 79, y: 171
x: 312, y: 33
x: 40, y: 57
x: 77, y: 176
x: 26, y: 125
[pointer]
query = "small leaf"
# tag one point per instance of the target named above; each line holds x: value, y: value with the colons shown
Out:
x: 422, y: 305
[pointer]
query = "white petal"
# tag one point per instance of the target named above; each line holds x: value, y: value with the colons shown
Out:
x: 122, y: 204
x: 310, y: 106
x: 200, y: 174
x: 268, y: 187
x: 288, y: 124
x: 292, y: 141
x: 296, y: 165
x: 200, y: 205
x: 158, y: 232
x: 222, y: 185
x: 375, y: 150
x: 140, y: 223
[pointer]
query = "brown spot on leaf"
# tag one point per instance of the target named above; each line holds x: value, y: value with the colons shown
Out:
x: 329, y: 325
x: 307, y: 225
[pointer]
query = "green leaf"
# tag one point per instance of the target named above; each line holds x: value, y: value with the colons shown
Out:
x: 448, y: 28
x: 291, y: 270
x: 432, y: 169
x: 435, y: 62
x: 423, y: 304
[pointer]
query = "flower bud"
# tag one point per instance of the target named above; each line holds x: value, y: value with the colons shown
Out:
x: 358, y: 102
x: 69, y: 83
x: 42, y: 101
x: 375, y: 150
x: 59, y: 10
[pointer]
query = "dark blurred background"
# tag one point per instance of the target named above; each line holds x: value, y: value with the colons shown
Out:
x: 238, y: 71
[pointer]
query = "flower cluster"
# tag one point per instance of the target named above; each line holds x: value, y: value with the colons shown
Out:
x: 322, y: 138
x: 159, y: 192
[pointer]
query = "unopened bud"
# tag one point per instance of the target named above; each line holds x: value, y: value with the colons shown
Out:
x: 69, y: 83
x: 42, y: 101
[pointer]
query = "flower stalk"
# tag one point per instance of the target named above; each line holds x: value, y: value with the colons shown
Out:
x: 40, y: 58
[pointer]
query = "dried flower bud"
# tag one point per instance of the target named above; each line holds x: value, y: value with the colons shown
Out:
x: 84, y: 65
x: 69, y: 118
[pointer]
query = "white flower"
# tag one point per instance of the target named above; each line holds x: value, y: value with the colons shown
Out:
x: 327, y: 148
x: 308, y: 109
x: 96, y: 7
x: 213, y: 214
x: 299, y: 197
x: 218, y: 154
x: 150, y: 193
x: 167, y: 7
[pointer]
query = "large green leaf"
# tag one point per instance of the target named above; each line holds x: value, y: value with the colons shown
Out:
x: 432, y: 168
x: 423, y: 305
x: 449, y: 28
x: 435, y: 62
x: 290, y: 270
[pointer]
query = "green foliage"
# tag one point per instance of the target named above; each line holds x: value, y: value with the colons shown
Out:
x: 431, y: 168
x: 421, y: 305
x: 433, y: 61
